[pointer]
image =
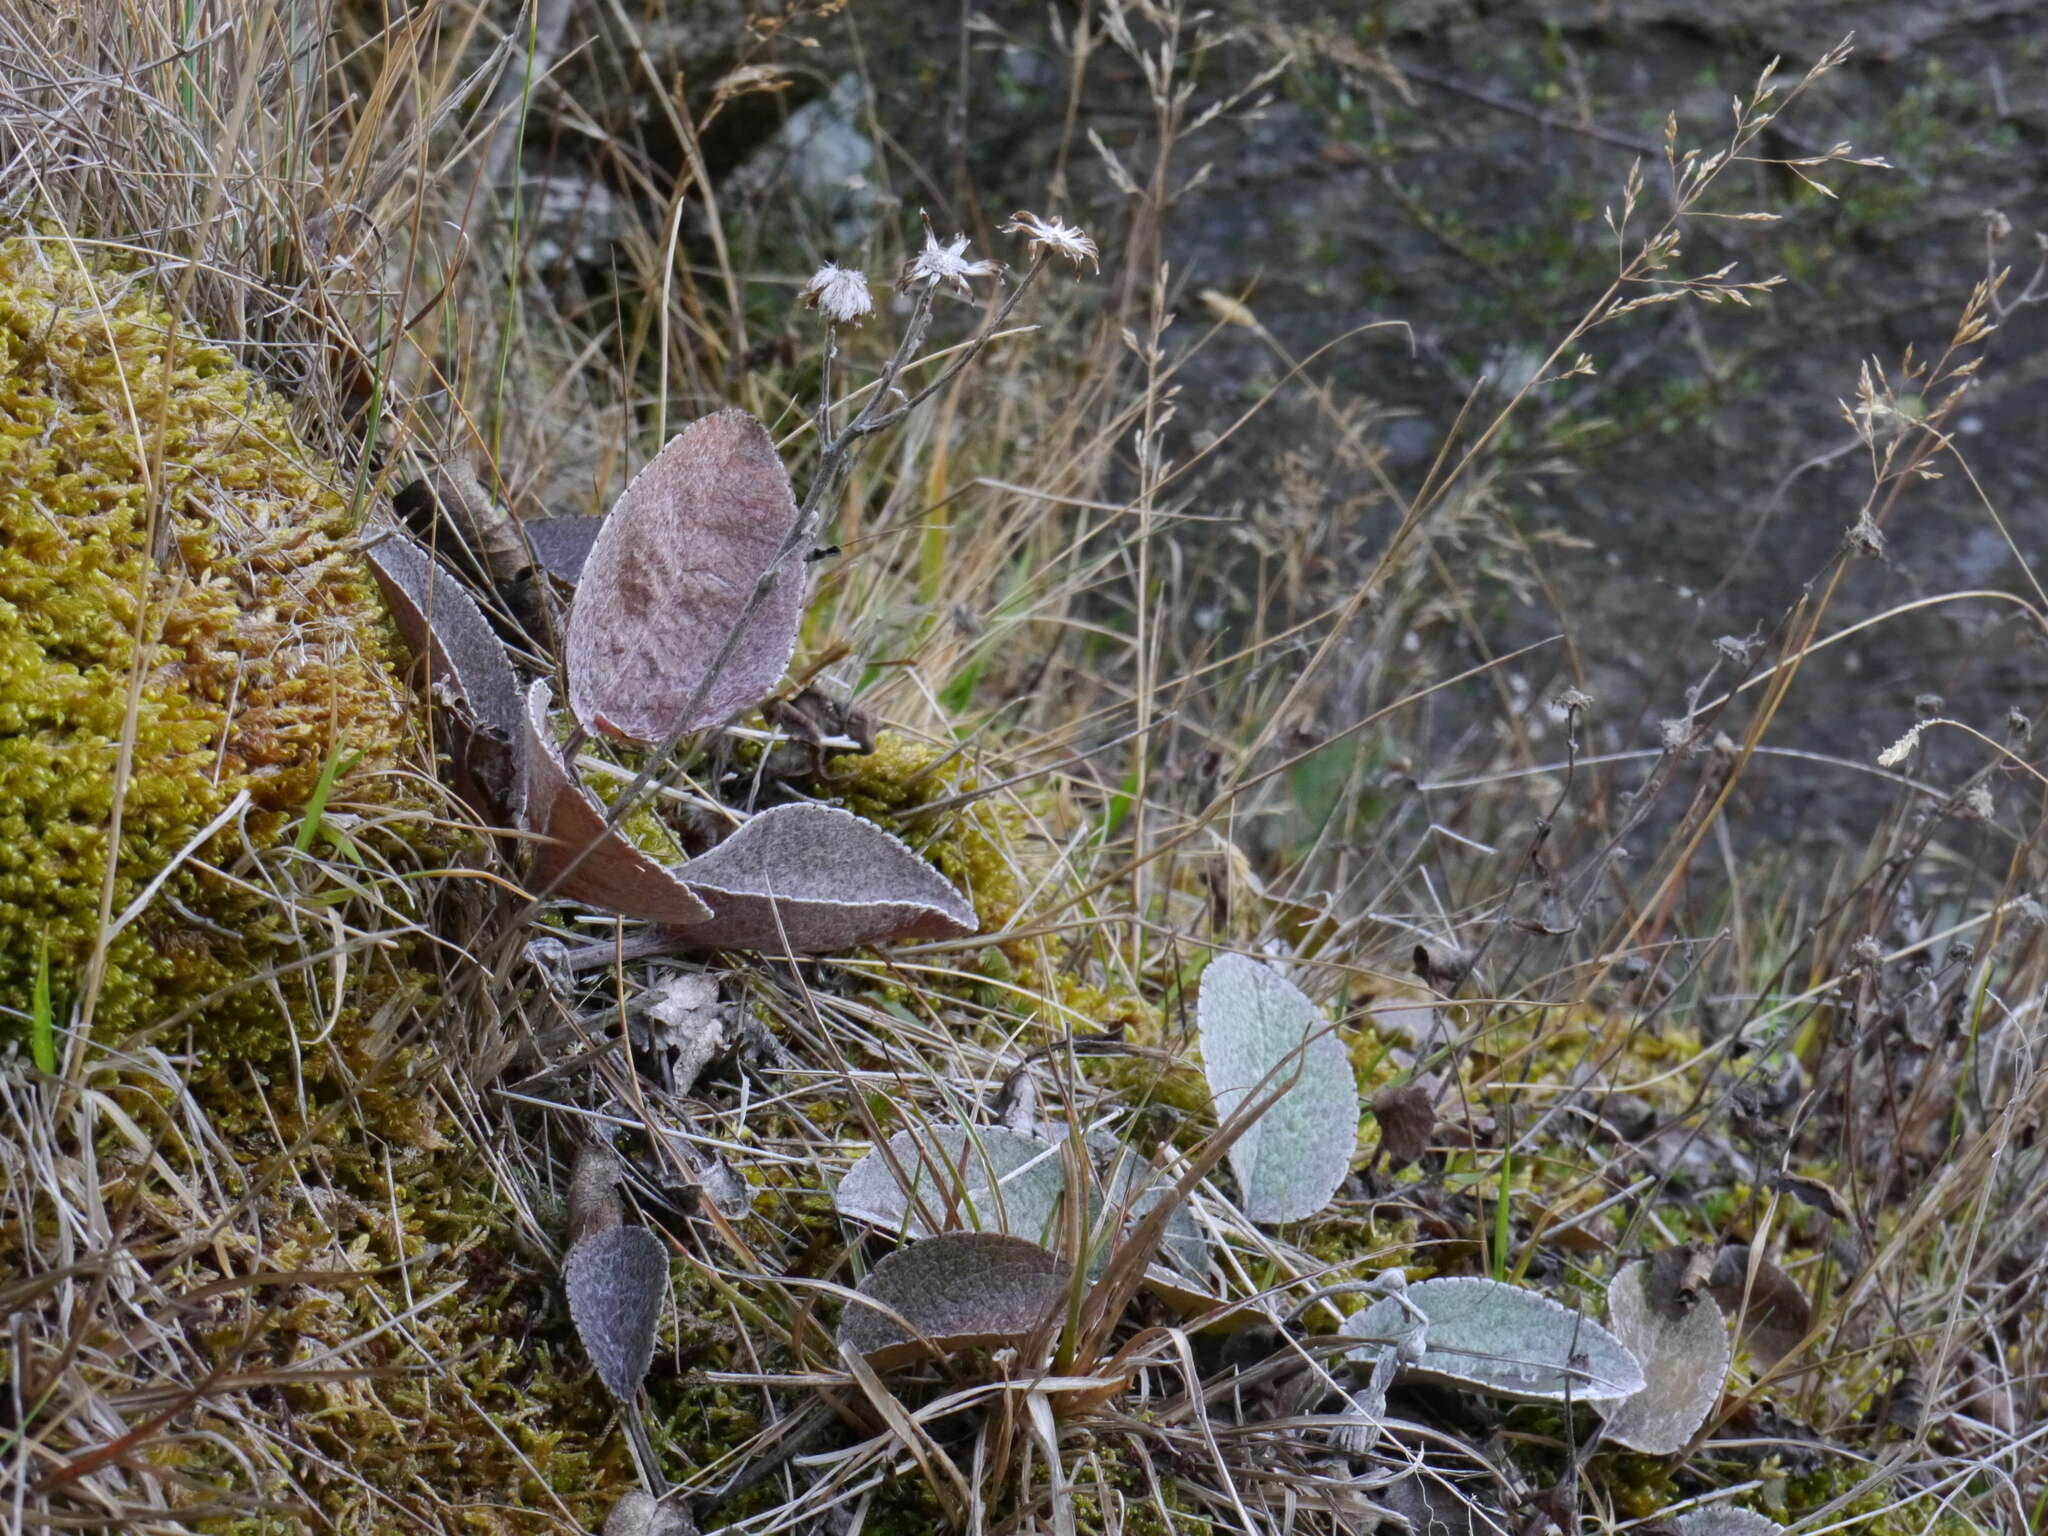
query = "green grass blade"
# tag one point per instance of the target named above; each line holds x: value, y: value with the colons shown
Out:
x: 42, y: 1019
x: 316, y: 807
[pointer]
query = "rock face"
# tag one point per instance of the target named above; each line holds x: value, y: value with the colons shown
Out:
x: 823, y: 157
x: 167, y: 545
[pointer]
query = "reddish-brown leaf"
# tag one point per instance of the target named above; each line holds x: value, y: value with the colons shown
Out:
x: 615, y: 874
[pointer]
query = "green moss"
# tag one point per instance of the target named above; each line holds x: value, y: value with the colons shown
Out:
x: 976, y: 846
x: 249, y: 644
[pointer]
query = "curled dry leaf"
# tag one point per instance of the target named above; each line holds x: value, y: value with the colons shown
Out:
x: 615, y: 874
x: 594, y: 1193
x: 1679, y: 1278
x: 467, y: 665
x: 561, y: 544
x: 957, y: 1291
x: 1685, y: 1361
x: 1260, y: 1036
x: 1777, y: 1315
x: 818, y: 879
x: 1407, y: 1117
x: 616, y: 1280
x: 1501, y: 1339
x: 669, y: 578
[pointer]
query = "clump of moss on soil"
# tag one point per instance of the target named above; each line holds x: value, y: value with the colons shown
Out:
x: 166, y: 544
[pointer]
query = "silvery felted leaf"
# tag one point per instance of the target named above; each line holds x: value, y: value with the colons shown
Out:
x: 641, y: 1514
x: 989, y: 1179
x: 467, y: 666
x: 1726, y: 1520
x: 1685, y: 1360
x: 439, y: 619
x: 1261, y: 1035
x: 1133, y: 1186
x: 561, y: 544
x: 960, y: 1290
x: 615, y: 874
x: 820, y: 879
x: 1504, y: 1340
x: 616, y: 1280
x: 672, y: 571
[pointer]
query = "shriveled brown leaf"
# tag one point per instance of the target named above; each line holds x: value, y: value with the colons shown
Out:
x: 1778, y: 1315
x: 615, y: 875
x: 960, y: 1290
x: 1679, y: 1278
x: 819, y: 879
x: 672, y: 572
x: 1407, y: 1118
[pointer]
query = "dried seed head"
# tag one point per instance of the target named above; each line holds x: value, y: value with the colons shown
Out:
x: 1865, y: 539
x: 839, y: 293
x: 1054, y: 237
x: 944, y: 263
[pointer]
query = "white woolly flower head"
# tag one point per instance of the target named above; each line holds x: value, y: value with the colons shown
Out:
x: 839, y: 293
x: 1054, y: 237
x: 944, y: 263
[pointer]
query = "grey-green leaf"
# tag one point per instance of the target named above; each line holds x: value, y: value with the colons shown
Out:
x: 1685, y: 1360
x: 1260, y: 1036
x: 960, y: 1290
x: 617, y: 1280
x: 1504, y: 1340
x: 1725, y: 1520
x: 946, y: 1177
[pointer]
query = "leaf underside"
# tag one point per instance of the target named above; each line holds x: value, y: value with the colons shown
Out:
x: 1685, y: 1361
x: 614, y: 874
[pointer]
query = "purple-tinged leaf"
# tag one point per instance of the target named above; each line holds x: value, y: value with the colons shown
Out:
x: 672, y: 572
x: 820, y: 879
x: 561, y: 544
x: 960, y: 1290
x: 615, y: 875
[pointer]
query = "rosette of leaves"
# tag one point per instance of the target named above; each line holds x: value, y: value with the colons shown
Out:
x: 943, y: 1178
x: 1499, y: 1339
x: 1270, y: 1054
x: 686, y: 612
